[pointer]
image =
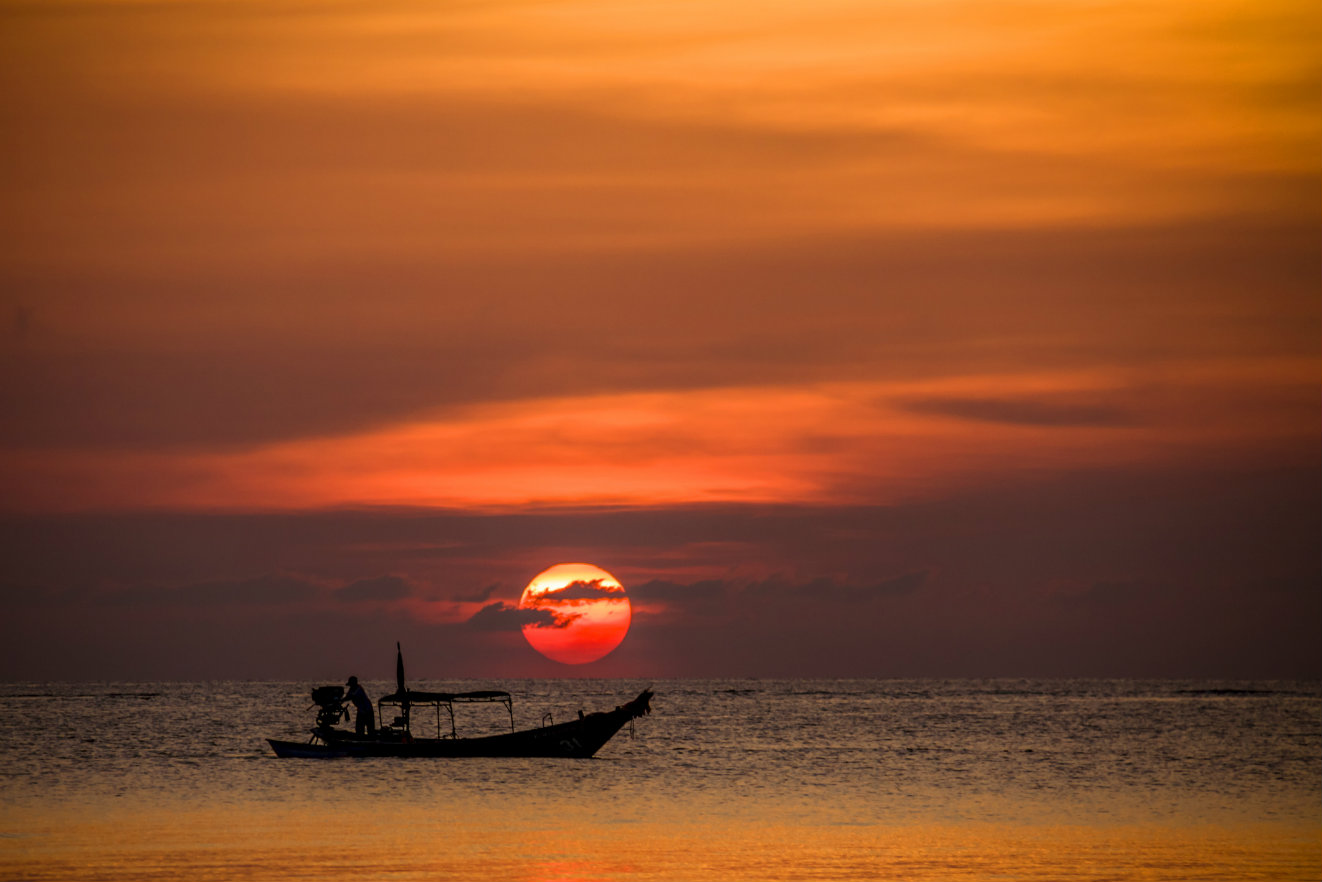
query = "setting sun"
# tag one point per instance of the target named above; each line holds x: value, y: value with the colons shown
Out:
x: 585, y: 613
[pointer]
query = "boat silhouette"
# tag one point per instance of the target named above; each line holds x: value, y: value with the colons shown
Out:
x: 578, y: 738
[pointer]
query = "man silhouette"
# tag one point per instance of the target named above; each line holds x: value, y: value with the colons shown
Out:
x: 364, y: 719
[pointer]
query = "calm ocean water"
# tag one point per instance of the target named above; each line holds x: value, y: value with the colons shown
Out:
x: 746, y: 779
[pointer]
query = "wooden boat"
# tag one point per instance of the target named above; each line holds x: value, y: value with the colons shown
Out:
x: 579, y: 738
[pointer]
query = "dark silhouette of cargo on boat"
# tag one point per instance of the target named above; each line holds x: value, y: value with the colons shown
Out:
x: 579, y: 738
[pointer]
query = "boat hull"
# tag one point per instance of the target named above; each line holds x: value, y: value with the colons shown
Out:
x: 580, y: 739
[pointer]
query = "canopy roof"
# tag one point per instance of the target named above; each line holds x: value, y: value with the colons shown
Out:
x: 411, y: 696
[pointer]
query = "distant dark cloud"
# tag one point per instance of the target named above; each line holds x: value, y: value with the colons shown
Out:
x: 263, y: 589
x: 481, y: 596
x: 732, y: 599
x: 906, y: 584
x: 500, y: 616
x: 703, y: 591
x: 778, y: 587
x: 824, y: 589
x: 1026, y: 411
x: 266, y: 590
x: 661, y: 600
x: 380, y: 588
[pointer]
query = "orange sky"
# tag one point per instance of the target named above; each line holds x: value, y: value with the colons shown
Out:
x: 300, y: 233
x: 519, y: 257
x: 186, y: 136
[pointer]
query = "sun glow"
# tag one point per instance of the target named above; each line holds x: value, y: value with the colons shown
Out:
x: 582, y: 613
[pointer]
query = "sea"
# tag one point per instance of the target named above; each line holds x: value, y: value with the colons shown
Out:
x: 727, y: 779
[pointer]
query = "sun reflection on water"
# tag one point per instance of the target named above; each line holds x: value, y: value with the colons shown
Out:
x: 265, y: 842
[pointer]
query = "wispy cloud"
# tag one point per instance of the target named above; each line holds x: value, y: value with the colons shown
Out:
x: 1027, y: 411
x: 577, y: 593
x: 866, y: 441
x: 380, y: 588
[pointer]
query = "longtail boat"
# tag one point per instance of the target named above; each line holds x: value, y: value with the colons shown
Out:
x: 578, y: 738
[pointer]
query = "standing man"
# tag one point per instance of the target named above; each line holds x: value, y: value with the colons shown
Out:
x: 364, y: 719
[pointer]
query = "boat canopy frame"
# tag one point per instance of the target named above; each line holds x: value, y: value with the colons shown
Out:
x: 407, y: 699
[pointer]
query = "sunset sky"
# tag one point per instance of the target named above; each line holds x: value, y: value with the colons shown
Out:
x: 914, y: 337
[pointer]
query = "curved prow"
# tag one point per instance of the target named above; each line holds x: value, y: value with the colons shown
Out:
x: 640, y: 706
